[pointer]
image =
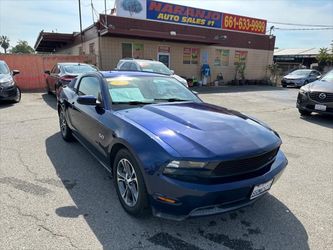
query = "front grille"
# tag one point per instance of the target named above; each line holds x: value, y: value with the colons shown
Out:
x: 229, y: 171
x: 316, y: 97
x: 244, y: 166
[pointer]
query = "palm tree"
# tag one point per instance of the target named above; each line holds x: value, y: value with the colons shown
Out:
x: 4, y: 41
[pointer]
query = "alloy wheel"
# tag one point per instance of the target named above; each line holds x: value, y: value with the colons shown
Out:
x: 63, y: 124
x: 127, y: 182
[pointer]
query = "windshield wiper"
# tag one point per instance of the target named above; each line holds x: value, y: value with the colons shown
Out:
x: 172, y: 100
x: 132, y: 103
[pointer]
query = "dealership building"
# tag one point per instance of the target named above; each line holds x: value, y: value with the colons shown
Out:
x: 184, y: 38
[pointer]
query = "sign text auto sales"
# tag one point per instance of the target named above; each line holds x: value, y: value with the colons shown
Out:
x: 182, y: 14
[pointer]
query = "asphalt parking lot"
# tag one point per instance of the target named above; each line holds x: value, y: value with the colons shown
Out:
x: 55, y: 195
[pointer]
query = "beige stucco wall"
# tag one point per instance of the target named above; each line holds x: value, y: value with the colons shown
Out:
x: 75, y: 50
x: 110, y: 52
x: 257, y: 60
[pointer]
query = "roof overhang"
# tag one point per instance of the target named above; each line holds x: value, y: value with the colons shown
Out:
x: 49, y: 41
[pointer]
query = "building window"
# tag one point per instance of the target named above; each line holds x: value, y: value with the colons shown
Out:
x: 126, y: 50
x: 91, y: 48
x: 80, y: 50
x: 191, y: 55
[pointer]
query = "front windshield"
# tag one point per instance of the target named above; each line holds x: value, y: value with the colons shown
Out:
x: 301, y: 72
x: 328, y: 77
x: 3, y: 68
x: 148, y: 89
x: 78, y: 68
x: 159, y: 68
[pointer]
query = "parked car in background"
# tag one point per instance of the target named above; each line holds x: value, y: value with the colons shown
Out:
x: 166, y: 148
x: 317, y: 96
x: 300, y: 77
x: 9, y: 91
x: 131, y: 64
x: 63, y: 73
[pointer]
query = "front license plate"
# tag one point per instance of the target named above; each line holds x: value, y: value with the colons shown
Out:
x: 320, y: 107
x: 261, y: 189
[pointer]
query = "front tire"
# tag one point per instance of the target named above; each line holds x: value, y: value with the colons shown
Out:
x: 66, y: 132
x: 18, y: 95
x: 304, y: 112
x: 129, y: 183
x: 284, y: 86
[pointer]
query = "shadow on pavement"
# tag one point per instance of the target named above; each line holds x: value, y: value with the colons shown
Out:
x: 322, y: 120
x: 5, y: 104
x: 231, y: 89
x: 267, y: 224
x: 50, y: 100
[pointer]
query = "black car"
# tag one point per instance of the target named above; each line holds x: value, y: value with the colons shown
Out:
x: 317, y: 96
x: 300, y: 77
x: 63, y: 73
x: 9, y: 91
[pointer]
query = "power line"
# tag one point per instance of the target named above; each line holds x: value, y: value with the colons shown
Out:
x: 302, y: 24
x: 276, y: 28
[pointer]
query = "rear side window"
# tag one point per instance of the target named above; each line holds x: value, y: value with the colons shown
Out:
x: 125, y: 66
x: 89, y: 85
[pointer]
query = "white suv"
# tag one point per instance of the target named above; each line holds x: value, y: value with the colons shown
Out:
x: 148, y: 66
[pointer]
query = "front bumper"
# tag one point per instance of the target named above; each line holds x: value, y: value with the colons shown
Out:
x: 8, y: 93
x: 304, y: 102
x: 194, y: 200
x: 292, y: 82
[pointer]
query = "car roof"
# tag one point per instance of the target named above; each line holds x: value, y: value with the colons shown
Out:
x: 72, y: 63
x: 109, y: 74
x: 139, y: 60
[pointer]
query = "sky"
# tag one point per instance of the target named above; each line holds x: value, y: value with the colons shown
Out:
x: 24, y: 19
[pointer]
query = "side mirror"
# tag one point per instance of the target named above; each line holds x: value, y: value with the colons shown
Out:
x: 88, y: 100
x: 172, y: 72
x: 15, y: 72
x: 47, y: 72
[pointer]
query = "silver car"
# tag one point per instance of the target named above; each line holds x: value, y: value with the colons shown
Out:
x: 300, y: 77
x: 148, y: 66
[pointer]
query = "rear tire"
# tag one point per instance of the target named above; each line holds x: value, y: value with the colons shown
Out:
x: 129, y: 183
x: 66, y: 132
x: 304, y: 112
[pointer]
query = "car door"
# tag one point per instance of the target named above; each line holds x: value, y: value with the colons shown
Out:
x: 85, y: 118
x: 313, y: 76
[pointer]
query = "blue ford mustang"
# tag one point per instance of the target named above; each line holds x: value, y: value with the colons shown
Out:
x: 166, y: 149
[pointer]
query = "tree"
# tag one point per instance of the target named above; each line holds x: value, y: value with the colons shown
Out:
x: 133, y: 6
x: 274, y: 71
x: 323, y: 56
x: 22, y: 47
x: 4, y: 42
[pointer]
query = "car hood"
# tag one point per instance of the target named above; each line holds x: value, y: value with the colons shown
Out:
x: 295, y: 77
x: 200, y: 130
x: 321, y: 86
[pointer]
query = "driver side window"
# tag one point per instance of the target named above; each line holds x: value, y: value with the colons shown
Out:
x: 89, y: 85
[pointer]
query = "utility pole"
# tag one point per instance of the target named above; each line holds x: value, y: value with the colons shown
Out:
x: 80, y: 22
x: 106, y: 18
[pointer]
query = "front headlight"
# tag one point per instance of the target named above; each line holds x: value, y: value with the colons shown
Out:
x: 303, y: 90
x: 7, y: 84
x: 186, y: 165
